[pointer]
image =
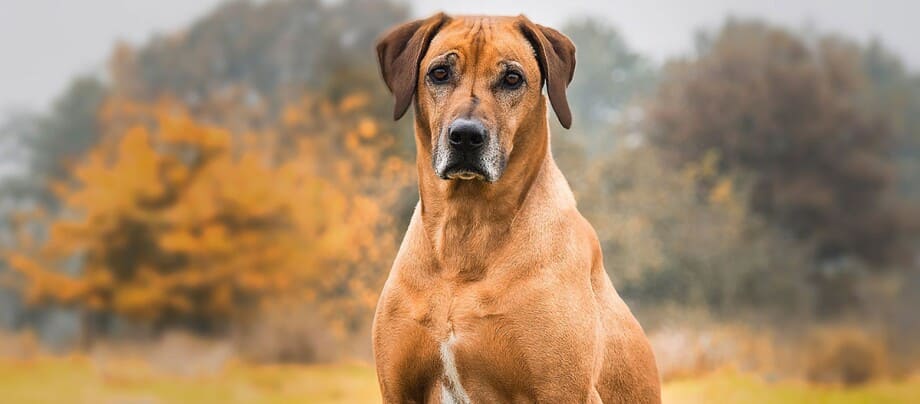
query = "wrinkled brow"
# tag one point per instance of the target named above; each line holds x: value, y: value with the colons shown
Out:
x: 511, y: 65
x: 449, y: 57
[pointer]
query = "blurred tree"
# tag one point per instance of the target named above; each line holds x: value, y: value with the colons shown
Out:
x: 266, y: 56
x: 895, y: 94
x: 176, y: 223
x: 345, y: 144
x: 666, y: 244
x: 276, y: 49
x: 791, y: 115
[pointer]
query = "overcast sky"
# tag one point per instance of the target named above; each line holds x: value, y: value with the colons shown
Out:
x: 45, y: 42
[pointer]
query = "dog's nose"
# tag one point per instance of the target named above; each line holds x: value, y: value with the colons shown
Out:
x: 466, y: 135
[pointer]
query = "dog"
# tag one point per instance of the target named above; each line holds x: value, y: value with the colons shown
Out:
x: 498, y: 292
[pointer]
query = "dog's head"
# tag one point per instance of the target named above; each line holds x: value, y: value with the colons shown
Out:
x: 475, y: 80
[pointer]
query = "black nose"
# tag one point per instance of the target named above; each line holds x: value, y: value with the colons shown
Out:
x: 466, y: 135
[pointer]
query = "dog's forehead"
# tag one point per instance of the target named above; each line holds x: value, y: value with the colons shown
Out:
x: 484, y: 38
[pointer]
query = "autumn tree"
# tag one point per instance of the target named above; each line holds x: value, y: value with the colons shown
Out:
x: 347, y: 145
x: 174, y: 222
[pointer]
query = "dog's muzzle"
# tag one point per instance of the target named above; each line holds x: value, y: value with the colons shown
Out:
x: 467, y: 151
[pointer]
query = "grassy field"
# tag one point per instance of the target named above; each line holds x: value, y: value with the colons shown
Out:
x: 79, y: 380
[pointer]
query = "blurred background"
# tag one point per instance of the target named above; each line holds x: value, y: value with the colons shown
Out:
x: 200, y: 200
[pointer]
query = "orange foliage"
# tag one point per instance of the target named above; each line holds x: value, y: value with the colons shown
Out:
x: 171, y: 219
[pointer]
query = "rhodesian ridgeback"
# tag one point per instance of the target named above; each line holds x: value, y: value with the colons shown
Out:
x: 498, y: 292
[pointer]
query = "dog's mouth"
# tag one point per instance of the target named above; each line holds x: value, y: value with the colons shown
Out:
x: 466, y: 176
x: 464, y: 172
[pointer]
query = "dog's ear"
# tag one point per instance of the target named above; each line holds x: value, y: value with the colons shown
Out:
x: 399, y: 53
x: 556, y: 55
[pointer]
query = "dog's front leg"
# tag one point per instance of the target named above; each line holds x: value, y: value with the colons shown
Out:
x: 406, y: 357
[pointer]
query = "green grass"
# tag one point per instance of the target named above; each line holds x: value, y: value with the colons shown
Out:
x: 79, y: 380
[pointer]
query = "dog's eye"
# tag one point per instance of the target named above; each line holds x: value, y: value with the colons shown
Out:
x: 512, y: 80
x: 439, y: 75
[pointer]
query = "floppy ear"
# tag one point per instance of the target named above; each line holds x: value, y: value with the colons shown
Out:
x: 556, y: 56
x: 399, y: 53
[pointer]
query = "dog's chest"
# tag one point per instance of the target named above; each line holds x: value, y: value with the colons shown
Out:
x: 473, y: 329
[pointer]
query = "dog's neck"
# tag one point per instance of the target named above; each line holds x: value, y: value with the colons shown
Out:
x: 465, y: 220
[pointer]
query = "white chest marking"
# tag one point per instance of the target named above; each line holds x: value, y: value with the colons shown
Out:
x: 452, y: 391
